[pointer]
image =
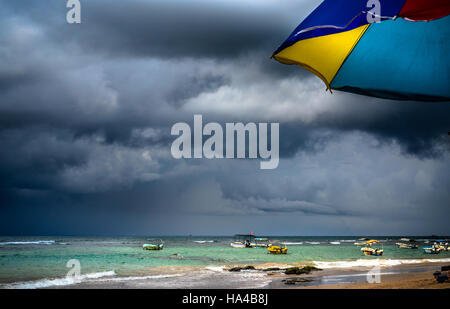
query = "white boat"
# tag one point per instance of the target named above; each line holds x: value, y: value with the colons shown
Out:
x: 442, y: 245
x: 431, y: 250
x: 237, y: 245
x: 361, y: 241
x: 262, y: 242
x: 406, y: 243
x: 244, y: 241
x: 155, y: 244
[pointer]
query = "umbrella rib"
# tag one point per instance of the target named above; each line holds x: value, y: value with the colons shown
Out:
x: 344, y: 27
x: 348, y: 55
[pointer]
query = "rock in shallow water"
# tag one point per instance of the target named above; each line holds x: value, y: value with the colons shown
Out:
x: 293, y: 281
x: 249, y: 267
x: 300, y: 271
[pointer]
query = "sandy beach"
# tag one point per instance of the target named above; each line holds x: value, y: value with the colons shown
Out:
x: 423, y: 280
x: 400, y: 277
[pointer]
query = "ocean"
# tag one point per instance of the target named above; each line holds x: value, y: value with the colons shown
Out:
x: 185, y: 262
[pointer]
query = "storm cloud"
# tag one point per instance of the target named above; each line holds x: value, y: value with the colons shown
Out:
x: 86, y: 112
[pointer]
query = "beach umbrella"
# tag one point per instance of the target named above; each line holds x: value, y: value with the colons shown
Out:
x: 394, y: 49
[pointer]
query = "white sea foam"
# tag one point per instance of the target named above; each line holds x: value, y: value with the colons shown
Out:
x: 313, y: 242
x: 45, y: 283
x: 203, y: 241
x: 293, y: 243
x: 35, y: 242
x: 376, y: 262
x: 335, y: 242
x: 140, y: 277
x: 215, y: 268
x: 249, y: 274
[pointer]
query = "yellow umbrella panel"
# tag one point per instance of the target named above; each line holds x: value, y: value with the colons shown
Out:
x: 322, y: 55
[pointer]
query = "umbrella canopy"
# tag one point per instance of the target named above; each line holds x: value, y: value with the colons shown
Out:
x: 404, y: 56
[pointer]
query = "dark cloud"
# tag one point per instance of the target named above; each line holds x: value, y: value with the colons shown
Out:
x: 194, y: 86
x: 420, y: 128
x: 86, y: 112
x: 182, y: 29
x: 164, y: 29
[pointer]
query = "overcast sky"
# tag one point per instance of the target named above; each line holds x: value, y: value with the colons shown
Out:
x: 86, y: 112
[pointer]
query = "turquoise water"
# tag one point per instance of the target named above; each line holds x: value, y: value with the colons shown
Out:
x: 33, y: 258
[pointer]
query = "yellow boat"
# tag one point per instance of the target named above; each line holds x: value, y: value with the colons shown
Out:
x: 441, y: 245
x: 277, y: 249
x: 368, y: 250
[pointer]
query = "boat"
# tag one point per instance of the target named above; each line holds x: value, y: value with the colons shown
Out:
x: 238, y: 245
x: 243, y: 241
x: 249, y: 241
x: 277, y: 248
x: 369, y: 250
x: 442, y: 245
x: 261, y: 242
x: 437, y: 247
x: 361, y: 241
x: 154, y: 244
x: 407, y: 243
x: 431, y: 250
x: 408, y: 246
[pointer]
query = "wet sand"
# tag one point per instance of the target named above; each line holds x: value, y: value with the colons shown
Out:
x: 423, y: 280
x: 400, y: 277
x: 419, y: 276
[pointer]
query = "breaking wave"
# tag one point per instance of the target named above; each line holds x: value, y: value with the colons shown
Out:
x: 34, y: 242
x: 375, y: 262
x: 141, y: 277
x: 46, y: 283
x: 107, y: 276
